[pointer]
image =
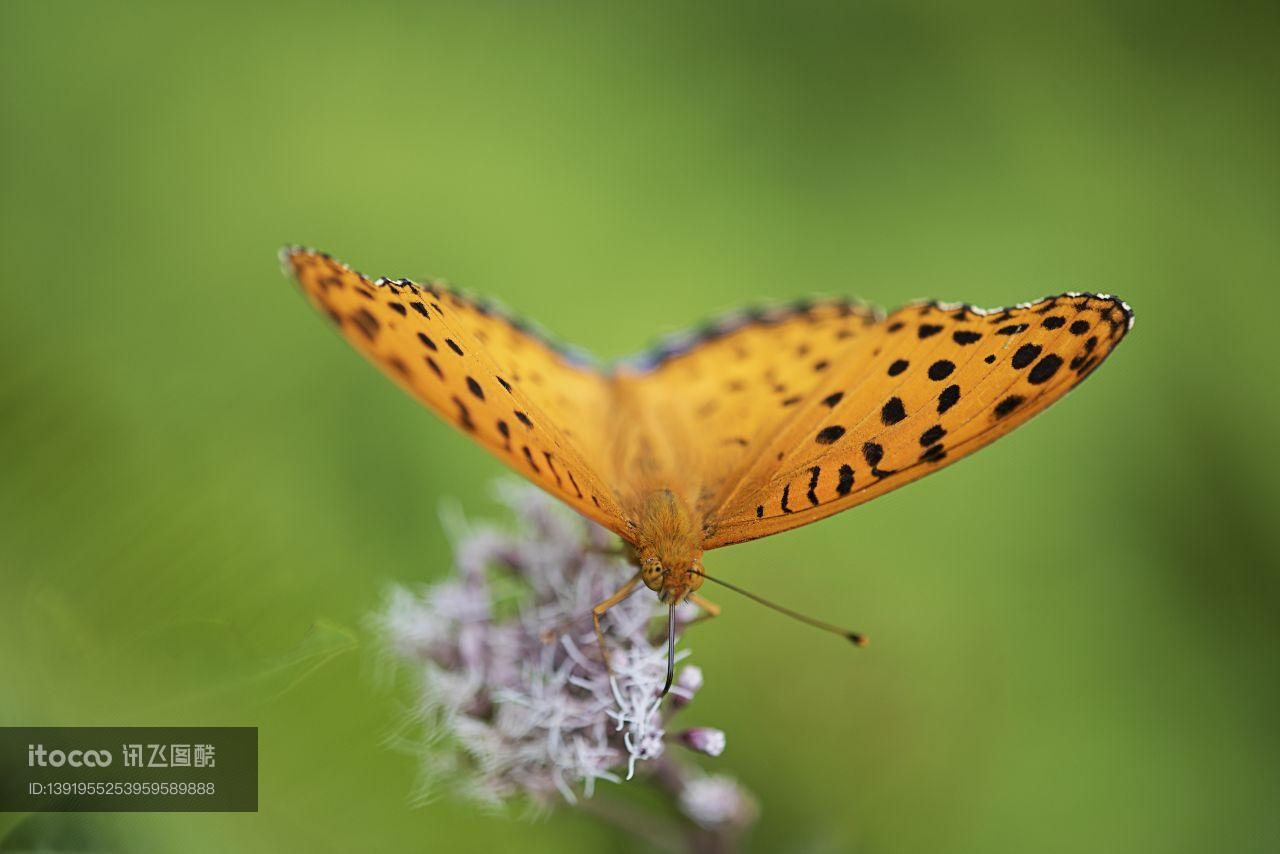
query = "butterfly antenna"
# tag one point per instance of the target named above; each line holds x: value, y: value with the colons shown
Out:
x: 671, y: 649
x: 857, y: 638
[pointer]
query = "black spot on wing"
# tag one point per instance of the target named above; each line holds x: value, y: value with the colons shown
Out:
x: 949, y: 397
x: 941, y: 369
x: 464, y: 416
x: 845, y: 484
x: 1045, y: 369
x: 933, y: 453
x: 552, y: 466
x: 1079, y: 360
x: 812, y: 494
x: 893, y: 411
x: 827, y: 435
x: 1007, y: 405
x: 872, y: 453
x: 933, y: 435
x: 366, y: 323
x: 1025, y: 355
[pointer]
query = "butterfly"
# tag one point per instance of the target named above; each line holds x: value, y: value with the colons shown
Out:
x: 749, y: 426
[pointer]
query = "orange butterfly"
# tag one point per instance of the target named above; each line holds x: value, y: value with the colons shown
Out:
x: 747, y: 427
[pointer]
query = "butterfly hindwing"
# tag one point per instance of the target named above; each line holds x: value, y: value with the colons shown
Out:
x: 710, y: 400
x: 494, y: 381
x: 927, y: 385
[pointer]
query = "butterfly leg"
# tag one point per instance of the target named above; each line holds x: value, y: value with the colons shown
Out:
x: 598, y: 611
x: 709, y: 609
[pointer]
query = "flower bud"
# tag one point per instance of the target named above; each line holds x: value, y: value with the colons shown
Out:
x: 706, y: 740
x: 717, y: 801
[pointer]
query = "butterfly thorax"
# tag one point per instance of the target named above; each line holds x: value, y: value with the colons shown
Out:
x: 668, y: 545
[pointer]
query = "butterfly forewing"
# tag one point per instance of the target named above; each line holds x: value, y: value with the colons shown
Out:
x: 500, y: 385
x: 928, y: 385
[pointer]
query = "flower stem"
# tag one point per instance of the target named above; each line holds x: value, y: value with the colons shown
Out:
x: 659, y: 833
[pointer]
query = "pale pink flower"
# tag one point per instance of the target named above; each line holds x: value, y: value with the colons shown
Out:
x: 512, y: 688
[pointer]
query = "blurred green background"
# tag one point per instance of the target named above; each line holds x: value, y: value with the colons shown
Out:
x: 205, y: 491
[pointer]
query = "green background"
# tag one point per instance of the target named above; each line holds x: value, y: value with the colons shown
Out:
x: 205, y: 492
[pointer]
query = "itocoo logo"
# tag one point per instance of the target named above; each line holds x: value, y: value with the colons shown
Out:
x: 38, y: 756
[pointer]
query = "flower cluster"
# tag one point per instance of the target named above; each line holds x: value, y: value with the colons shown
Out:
x: 512, y: 684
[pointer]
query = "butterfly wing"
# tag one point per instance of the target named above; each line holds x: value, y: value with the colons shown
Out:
x: 483, y: 373
x: 832, y: 407
x: 765, y: 422
x: 700, y: 407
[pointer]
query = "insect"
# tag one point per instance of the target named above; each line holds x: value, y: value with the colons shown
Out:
x: 747, y: 427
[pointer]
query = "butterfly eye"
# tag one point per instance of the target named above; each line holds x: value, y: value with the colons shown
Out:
x: 651, y: 570
x: 697, y: 573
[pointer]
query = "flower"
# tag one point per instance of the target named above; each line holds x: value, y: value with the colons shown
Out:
x: 512, y: 685
x: 704, y: 740
x: 717, y: 801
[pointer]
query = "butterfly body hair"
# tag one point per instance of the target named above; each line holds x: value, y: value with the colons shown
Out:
x: 668, y: 545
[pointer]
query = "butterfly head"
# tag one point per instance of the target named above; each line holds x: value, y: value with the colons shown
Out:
x: 672, y: 579
x: 669, y: 547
